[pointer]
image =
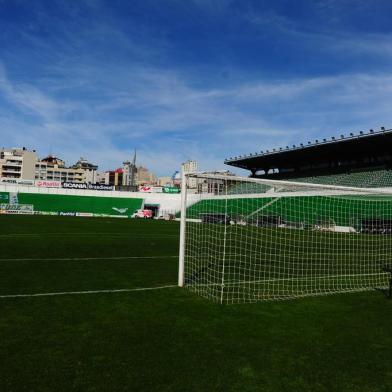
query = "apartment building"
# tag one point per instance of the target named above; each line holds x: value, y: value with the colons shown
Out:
x: 165, y: 181
x: 144, y: 176
x: 129, y: 173
x: 89, y: 169
x: 100, y: 178
x: 53, y: 168
x: 190, y: 167
x: 114, y: 177
x: 17, y: 163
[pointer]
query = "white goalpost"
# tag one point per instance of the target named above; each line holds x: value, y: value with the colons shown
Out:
x: 248, y: 240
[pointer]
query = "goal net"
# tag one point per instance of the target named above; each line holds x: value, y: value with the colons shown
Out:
x: 247, y: 240
x: 27, y: 209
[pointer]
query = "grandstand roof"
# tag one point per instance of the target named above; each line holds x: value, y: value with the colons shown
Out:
x: 363, y: 149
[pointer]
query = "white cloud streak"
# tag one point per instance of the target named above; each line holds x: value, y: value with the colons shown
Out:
x: 85, y: 104
x: 170, y: 121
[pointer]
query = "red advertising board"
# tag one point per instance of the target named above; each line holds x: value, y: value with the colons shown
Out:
x: 48, y: 184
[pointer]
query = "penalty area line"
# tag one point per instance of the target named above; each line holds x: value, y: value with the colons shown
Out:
x: 86, y: 292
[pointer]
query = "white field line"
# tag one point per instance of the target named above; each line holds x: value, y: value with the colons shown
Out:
x: 263, y: 207
x: 85, y: 292
x: 91, y: 258
x: 277, y: 280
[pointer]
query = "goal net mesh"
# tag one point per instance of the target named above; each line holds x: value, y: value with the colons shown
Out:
x: 249, y: 240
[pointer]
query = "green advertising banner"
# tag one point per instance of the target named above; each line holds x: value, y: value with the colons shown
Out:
x: 81, y: 205
x: 4, y: 197
x: 170, y: 189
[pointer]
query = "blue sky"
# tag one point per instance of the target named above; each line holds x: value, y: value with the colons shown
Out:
x: 189, y: 79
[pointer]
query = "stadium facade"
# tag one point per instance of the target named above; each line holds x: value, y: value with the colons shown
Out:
x: 363, y: 159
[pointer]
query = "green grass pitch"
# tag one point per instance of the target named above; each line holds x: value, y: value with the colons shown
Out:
x: 167, y: 339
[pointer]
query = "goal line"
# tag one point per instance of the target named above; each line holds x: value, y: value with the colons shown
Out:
x: 53, y: 294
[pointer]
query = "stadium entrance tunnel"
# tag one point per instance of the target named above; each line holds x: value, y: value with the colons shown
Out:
x: 154, y: 208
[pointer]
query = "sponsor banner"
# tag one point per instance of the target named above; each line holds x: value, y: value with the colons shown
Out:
x: 16, y: 209
x: 91, y: 187
x: 16, y: 212
x: 67, y: 213
x: 150, y: 189
x: 85, y: 214
x: 48, y: 184
x: 171, y: 189
x: 13, y: 198
x: 16, y: 181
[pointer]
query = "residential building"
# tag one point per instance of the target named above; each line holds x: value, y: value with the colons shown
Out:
x: 114, y: 177
x: 89, y: 169
x: 129, y: 173
x: 190, y: 167
x: 17, y: 163
x: 100, y: 177
x: 52, y: 168
x: 145, y: 177
x: 165, y: 181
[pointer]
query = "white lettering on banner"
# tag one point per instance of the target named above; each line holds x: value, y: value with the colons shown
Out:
x: 48, y: 184
x: 83, y: 185
x: 16, y: 181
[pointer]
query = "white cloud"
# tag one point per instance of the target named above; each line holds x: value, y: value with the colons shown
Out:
x: 169, y: 120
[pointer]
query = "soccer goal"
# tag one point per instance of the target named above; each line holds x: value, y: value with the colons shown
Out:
x: 248, y: 240
x: 27, y: 209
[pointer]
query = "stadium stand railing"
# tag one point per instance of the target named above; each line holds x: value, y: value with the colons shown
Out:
x: 365, y: 179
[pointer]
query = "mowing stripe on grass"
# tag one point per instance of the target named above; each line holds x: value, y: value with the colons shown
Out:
x: 81, y: 234
x: 85, y: 292
x: 91, y: 258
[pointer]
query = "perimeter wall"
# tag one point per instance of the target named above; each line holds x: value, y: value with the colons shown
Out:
x: 87, y: 202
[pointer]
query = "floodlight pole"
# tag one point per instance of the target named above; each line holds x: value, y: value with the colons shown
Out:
x: 181, y: 260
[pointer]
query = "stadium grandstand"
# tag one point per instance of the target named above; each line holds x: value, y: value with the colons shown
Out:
x: 363, y: 160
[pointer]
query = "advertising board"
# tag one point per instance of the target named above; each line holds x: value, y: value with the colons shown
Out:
x: 47, y: 184
x: 171, y: 189
x: 91, y: 187
x: 150, y: 189
x: 18, y: 181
